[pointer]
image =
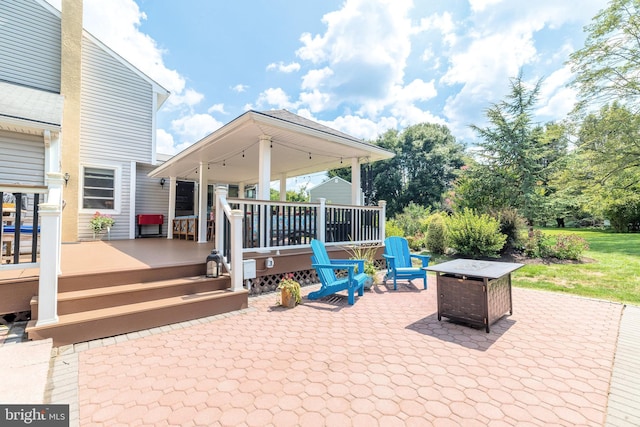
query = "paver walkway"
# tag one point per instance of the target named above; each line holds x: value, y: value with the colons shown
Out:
x: 384, y: 361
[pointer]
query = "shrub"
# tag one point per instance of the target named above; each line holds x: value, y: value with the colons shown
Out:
x: 511, y: 225
x: 412, y: 219
x: 391, y: 228
x: 538, y: 245
x: 569, y: 246
x: 437, y: 234
x: 474, y: 235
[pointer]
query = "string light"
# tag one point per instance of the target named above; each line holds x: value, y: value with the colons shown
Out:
x: 309, y: 155
x: 224, y: 163
x: 242, y: 153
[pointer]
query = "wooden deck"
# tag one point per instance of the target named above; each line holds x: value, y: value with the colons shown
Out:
x: 111, y: 287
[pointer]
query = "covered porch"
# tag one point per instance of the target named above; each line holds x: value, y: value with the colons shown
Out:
x: 259, y: 148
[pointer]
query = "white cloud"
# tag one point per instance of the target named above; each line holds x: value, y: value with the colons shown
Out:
x: 194, y: 127
x: 441, y: 22
x: 275, y: 97
x: 240, y: 88
x: 365, y: 46
x: 189, y: 98
x: 316, y: 78
x: 556, y: 99
x: 316, y: 100
x: 284, y: 68
x: 480, y: 5
x: 164, y: 142
x: 216, y: 108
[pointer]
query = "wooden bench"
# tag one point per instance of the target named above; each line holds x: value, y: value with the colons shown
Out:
x: 330, y: 284
x: 185, y: 227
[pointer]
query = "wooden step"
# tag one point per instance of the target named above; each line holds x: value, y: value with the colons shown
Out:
x: 106, y: 322
x: 104, y: 297
x: 76, y: 282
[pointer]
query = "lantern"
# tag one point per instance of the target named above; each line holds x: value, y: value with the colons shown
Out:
x: 213, y: 264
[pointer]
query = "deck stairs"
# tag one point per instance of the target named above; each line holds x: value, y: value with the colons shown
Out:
x: 105, y: 304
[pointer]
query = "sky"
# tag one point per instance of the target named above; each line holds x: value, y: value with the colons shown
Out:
x: 360, y: 66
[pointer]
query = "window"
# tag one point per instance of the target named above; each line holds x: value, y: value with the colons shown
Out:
x: 99, y: 188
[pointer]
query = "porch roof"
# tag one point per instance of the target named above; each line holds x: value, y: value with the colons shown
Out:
x: 28, y: 110
x: 299, y: 146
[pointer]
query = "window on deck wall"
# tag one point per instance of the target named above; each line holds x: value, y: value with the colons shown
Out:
x: 99, y: 188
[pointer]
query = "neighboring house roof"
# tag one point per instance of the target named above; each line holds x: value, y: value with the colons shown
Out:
x: 299, y: 146
x: 23, y: 108
x: 328, y: 181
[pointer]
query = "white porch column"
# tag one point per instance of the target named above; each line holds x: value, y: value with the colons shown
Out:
x: 203, y: 188
x: 383, y: 218
x: 220, y: 191
x: 283, y: 187
x: 50, y: 238
x: 237, y: 270
x: 264, y: 168
x: 173, y: 184
x: 241, y: 188
x: 355, y: 182
x: 321, y: 225
x: 54, y: 180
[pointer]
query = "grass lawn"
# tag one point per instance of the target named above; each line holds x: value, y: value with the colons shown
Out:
x: 613, y: 274
x: 611, y: 270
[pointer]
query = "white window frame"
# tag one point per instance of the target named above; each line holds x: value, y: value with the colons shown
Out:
x: 117, y: 194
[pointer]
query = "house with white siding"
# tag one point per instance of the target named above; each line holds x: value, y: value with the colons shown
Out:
x: 334, y: 190
x: 106, y: 146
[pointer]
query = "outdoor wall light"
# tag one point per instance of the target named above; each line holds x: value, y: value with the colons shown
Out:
x: 66, y: 178
x: 162, y: 181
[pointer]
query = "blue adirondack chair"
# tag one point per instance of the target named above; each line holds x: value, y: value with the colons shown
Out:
x: 399, y: 265
x: 326, y: 268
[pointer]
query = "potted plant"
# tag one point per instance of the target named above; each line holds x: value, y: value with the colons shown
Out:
x: 289, y: 291
x: 100, y: 223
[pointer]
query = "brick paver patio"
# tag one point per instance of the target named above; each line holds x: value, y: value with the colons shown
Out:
x: 384, y: 361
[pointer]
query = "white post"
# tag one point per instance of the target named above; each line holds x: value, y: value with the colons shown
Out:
x: 221, y: 191
x: 241, y: 188
x: 355, y: 182
x: 236, y: 251
x: 50, y: 238
x: 173, y: 184
x: 321, y: 225
x: 202, y: 202
x: 383, y: 218
x: 264, y: 167
x: 283, y: 187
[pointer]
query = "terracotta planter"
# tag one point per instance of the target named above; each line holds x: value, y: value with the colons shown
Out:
x: 287, y: 300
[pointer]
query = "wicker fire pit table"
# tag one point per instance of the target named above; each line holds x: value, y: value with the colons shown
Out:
x: 474, y: 292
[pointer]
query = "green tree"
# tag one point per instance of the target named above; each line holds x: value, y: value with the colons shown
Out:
x: 515, y: 156
x: 607, y: 68
x: 292, y: 196
x: 606, y: 168
x: 426, y: 163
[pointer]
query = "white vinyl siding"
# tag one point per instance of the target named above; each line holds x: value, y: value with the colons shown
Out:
x: 151, y: 198
x: 117, y: 109
x: 335, y: 190
x: 29, y: 45
x: 116, y: 128
x: 21, y: 158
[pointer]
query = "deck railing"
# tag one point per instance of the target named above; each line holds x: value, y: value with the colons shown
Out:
x: 20, y: 231
x: 264, y: 225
